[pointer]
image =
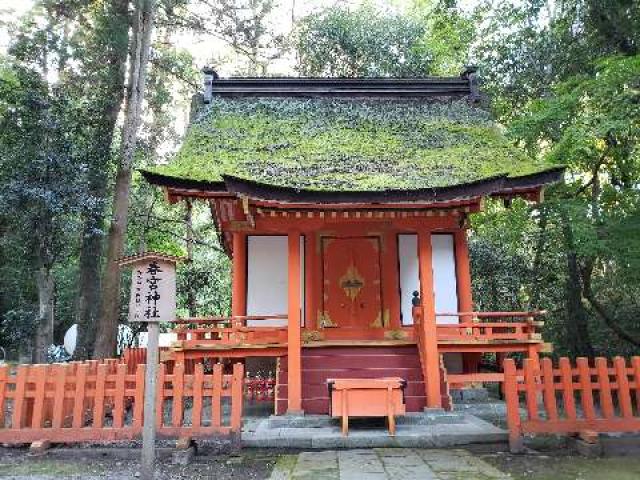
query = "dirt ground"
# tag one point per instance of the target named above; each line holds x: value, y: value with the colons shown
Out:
x: 18, y: 464
x: 565, y: 467
x: 253, y: 464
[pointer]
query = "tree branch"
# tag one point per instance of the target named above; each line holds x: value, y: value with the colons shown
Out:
x: 600, y: 310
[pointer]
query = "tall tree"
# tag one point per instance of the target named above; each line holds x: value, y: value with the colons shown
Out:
x: 592, y: 123
x: 143, y: 22
x: 41, y: 183
x: 245, y: 25
x: 365, y: 42
x: 104, y: 55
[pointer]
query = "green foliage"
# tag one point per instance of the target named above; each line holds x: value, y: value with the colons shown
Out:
x: 362, y: 42
x: 346, y: 145
x: 449, y: 36
x: 379, y: 41
x: 247, y: 26
x: 37, y: 165
x: 592, y: 123
x: 568, y: 100
x: 526, y: 47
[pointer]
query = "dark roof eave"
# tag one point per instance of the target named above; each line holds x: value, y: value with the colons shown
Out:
x: 182, y: 183
x: 261, y: 191
x: 539, y: 179
x: 496, y: 185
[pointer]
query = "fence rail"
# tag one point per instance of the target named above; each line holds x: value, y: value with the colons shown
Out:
x: 229, y: 331
x: 600, y: 398
x: 94, y: 401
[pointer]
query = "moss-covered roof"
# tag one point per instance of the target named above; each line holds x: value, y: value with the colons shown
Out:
x: 346, y: 145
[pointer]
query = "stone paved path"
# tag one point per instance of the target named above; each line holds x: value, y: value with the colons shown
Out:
x: 386, y: 464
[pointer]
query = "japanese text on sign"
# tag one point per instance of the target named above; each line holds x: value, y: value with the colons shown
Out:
x: 153, y: 296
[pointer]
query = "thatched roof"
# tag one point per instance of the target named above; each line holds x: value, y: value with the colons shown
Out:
x: 330, y: 144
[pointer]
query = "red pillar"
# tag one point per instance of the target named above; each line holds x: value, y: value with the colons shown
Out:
x: 390, y: 279
x: 471, y: 361
x: 463, y: 273
x: 294, y: 342
x: 239, y: 281
x: 310, y: 282
x: 431, y: 356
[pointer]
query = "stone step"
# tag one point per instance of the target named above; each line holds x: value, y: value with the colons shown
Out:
x: 414, y: 418
x: 321, y: 432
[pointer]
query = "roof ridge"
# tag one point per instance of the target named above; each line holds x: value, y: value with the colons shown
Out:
x: 464, y: 85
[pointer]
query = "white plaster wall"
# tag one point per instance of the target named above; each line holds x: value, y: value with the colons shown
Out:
x: 444, y: 275
x: 268, y: 278
x: 409, y: 274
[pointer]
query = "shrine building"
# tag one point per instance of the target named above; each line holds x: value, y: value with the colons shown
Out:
x: 337, y: 199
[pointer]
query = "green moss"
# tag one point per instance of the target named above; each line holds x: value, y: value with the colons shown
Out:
x: 346, y: 144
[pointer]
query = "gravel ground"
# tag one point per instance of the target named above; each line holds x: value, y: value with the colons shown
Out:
x: 18, y: 464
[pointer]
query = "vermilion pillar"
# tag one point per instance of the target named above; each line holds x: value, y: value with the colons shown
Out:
x: 463, y: 273
x: 239, y: 281
x: 428, y: 324
x: 311, y: 278
x: 390, y: 278
x: 470, y: 361
x: 294, y: 343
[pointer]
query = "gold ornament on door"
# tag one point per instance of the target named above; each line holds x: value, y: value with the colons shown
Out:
x: 352, y: 282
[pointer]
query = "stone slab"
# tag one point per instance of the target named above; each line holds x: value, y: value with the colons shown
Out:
x: 387, y: 464
x: 421, y: 434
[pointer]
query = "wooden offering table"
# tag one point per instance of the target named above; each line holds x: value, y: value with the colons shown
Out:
x: 363, y: 397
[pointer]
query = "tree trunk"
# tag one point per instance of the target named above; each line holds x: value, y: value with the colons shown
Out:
x: 110, y: 82
x: 577, y: 321
x: 106, y: 337
x: 600, y: 310
x: 534, y: 303
x: 88, y: 287
x: 44, y: 331
x: 191, y: 294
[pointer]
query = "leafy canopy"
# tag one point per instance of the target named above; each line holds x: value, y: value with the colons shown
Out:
x: 363, y: 42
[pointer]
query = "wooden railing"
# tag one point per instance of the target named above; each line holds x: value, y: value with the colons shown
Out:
x: 484, y: 328
x: 228, y: 331
x: 94, y: 401
x: 598, y: 398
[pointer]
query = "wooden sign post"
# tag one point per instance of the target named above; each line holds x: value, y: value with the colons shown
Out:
x: 153, y: 300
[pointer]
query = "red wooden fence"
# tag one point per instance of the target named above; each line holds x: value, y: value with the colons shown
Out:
x: 600, y: 398
x: 94, y: 401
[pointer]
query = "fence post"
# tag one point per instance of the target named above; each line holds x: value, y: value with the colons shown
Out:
x: 119, y: 396
x: 586, y: 391
x: 196, y: 413
x: 40, y: 381
x: 4, y: 374
x: 58, y: 400
x: 635, y: 364
x: 513, y: 406
x: 566, y: 378
x: 178, y: 392
x: 549, y: 389
x: 79, y: 396
x: 216, y: 395
x: 237, y: 398
x: 624, y: 392
x: 138, y: 401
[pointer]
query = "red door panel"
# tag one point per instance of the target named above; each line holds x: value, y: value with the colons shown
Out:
x: 351, y: 276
